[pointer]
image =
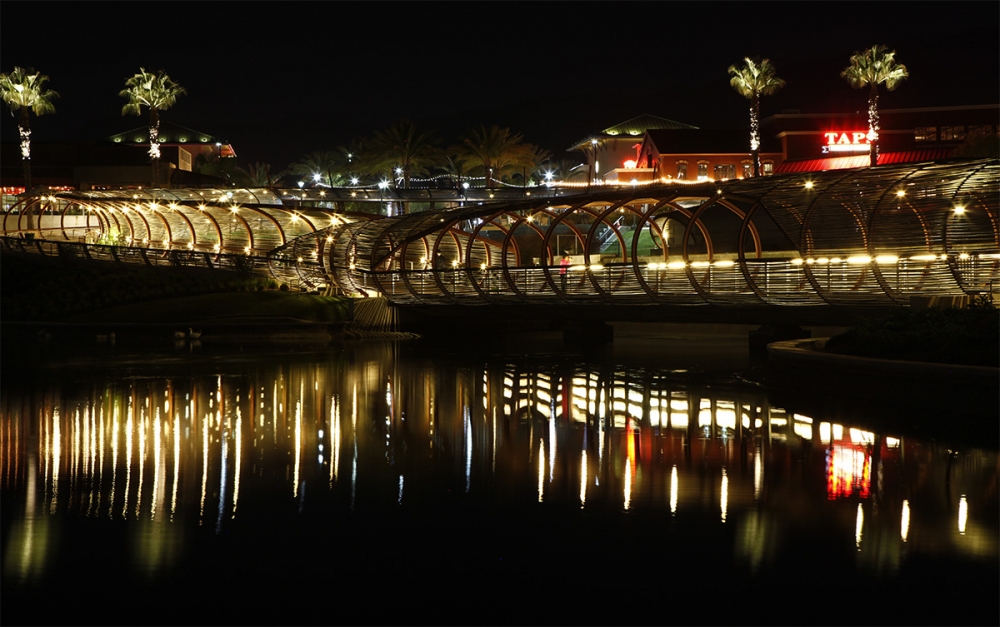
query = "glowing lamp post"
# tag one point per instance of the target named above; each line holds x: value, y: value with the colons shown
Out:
x: 381, y: 189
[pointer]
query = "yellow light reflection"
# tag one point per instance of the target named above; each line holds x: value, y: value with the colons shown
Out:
x: 861, y: 437
x: 157, y: 462
x: 541, y: 469
x: 803, y: 431
x: 758, y: 473
x: 725, y: 418
x: 628, y: 482
x: 239, y: 459
x: 128, y: 456
x: 858, y: 525
x: 204, y: 467
x: 141, y: 427
x: 56, y: 448
x: 177, y: 466
x: 583, y: 478
x: 904, y: 525
x: 963, y: 514
x: 824, y: 432
x: 298, y: 447
x: 705, y: 413
x: 673, y: 490
x: 335, y: 436
x: 724, y: 497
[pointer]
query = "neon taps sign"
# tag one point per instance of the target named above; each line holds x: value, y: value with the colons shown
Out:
x: 851, y: 141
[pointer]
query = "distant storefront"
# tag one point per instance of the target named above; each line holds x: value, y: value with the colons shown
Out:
x: 790, y: 142
x: 825, y: 141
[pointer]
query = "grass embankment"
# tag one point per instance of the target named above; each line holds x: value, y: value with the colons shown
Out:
x: 969, y: 336
x: 40, y: 289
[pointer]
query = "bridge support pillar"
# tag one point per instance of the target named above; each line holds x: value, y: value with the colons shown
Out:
x: 588, y: 332
x: 768, y: 333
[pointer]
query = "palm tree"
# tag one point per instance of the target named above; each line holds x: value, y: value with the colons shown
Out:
x: 566, y: 169
x: 158, y: 92
x: 492, y: 148
x: 322, y: 167
x: 258, y: 175
x: 869, y: 69
x: 24, y: 91
x: 753, y: 80
x: 402, y: 151
x: 454, y: 167
x: 527, y: 160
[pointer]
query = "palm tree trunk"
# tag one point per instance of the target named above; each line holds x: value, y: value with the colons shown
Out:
x: 24, y: 129
x: 154, y: 144
x: 873, y: 123
x: 755, y: 135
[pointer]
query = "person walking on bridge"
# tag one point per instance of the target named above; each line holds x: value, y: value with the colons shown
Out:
x: 563, y: 269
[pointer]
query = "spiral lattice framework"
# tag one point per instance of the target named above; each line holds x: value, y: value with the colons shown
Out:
x: 869, y: 237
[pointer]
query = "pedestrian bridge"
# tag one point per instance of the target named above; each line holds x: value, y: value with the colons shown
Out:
x: 834, y: 242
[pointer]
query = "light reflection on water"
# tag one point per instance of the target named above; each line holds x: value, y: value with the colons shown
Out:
x: 161, y: 457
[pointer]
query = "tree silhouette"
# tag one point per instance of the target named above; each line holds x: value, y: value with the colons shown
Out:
x: 752, y: 80
x: 157, y: 92
x: 24, y: 92
x: 870, y: 68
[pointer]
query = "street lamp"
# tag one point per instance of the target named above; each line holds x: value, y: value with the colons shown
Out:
x: 381, y: 188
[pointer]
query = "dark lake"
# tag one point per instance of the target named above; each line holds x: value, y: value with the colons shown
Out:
x: 651, y: 481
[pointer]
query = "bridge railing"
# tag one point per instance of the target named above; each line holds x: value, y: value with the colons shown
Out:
x: 769, y: 281
x: 137, y: 255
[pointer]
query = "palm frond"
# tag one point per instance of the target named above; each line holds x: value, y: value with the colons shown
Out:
x: 154, y: 91
x: 26, y: 88
x: 875, y: 66
x: 755, y: 78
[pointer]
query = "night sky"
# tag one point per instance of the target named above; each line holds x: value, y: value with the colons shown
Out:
x: 279, y: 80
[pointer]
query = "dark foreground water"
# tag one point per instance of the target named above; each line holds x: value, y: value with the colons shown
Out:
x: 407, y: 483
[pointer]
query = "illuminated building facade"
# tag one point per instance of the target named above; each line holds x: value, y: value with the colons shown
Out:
x: 829, y: 141
x: 791, y: 142
x: 701, y: 155
x: 607, y: 150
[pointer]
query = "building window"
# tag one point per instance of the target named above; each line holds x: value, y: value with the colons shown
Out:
x: 925, y: 134
x: 747, y: 169
x: 952, y: 133
x: 980, y: 130
x: 725, y: 171
x: 767, y: 168
x: 682, y: 170
x: 703, y: 169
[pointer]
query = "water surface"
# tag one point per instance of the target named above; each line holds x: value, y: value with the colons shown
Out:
x: 386, y: 482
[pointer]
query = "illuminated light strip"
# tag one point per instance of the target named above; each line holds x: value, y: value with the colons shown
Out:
x: 848, y: 148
